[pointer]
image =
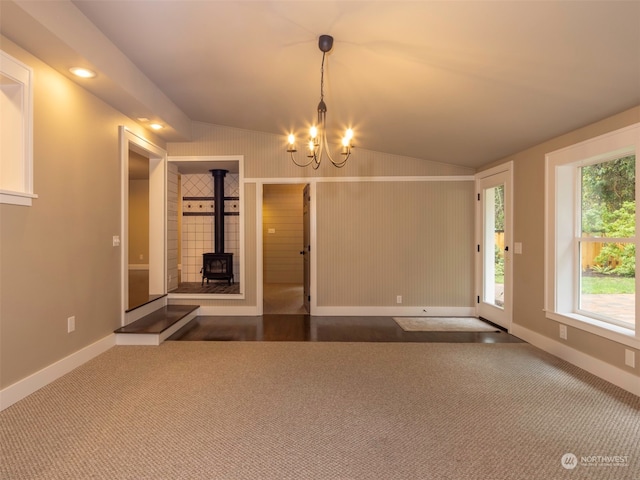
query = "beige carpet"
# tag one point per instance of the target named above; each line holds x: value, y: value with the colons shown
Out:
x: 444, y: 324
x: 287, y: 410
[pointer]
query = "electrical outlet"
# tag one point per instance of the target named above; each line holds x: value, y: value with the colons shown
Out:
x: 71, y: 324
x: 399, y: 299
x: 116, y: 240
x: 141, y: 256
x: 629, y: 358
x: 563, y: 332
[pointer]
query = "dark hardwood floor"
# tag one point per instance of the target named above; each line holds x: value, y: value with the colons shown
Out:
x: 304, y: 328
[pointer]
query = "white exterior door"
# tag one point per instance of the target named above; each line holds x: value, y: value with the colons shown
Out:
x: 494, y: 245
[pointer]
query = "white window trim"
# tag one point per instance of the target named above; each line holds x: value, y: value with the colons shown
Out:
x: 560, y: 272
x: 19, y: 75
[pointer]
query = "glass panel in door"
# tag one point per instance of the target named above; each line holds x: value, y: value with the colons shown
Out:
x: 494, y: 247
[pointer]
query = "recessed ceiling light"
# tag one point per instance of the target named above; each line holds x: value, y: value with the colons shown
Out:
x: 156, y: 126
x: 82, y: 72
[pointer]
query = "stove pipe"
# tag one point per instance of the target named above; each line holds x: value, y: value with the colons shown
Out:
x: 218, y: 216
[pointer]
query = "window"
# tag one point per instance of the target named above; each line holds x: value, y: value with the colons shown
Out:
x: 605, y: 240
x: 16, y: 159
x: 590, y: 250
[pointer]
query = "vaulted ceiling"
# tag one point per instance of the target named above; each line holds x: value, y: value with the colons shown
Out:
x: 461, y: 82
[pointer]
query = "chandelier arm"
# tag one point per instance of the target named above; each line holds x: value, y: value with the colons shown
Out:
x: 326, y: 147
x: 330, y: 157
x: 343, y: 162
x: 293, y: 159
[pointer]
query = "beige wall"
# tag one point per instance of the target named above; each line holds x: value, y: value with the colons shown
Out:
x: 378, y: 240
x: 528, y: 268
x: 56, y: 257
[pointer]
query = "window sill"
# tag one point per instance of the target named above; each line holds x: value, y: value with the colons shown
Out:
x: 618, y: 334
x: 16, y: 198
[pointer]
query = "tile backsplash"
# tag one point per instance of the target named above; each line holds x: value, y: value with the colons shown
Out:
x: 198, y: 223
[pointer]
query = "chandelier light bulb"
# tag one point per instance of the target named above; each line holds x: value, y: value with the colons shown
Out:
x: 313, y: 131
x: 349, y: 134
x: 292, y: 139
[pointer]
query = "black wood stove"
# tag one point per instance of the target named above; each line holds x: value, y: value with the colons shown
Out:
x: 218, y: 265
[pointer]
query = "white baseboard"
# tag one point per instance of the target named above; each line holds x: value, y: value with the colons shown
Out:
x: 351, y: 311
x: 606, y: 371
x: 248, y: 311
x: 27, y: 386
x: 398, y: 311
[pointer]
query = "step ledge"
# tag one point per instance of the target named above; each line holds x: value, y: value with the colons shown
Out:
x: 129, y: 336
x: 152, y: 299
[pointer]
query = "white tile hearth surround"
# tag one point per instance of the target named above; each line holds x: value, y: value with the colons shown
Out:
x: 197, y: 231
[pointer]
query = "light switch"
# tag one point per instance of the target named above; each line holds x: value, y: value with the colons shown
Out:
x: 517, y: 247
x: 271, y: 230
x: 116, y: 240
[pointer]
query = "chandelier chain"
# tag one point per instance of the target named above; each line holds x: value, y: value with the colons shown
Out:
x: 322, y: 77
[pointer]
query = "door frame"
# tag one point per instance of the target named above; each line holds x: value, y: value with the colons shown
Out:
x: 157, y: 215
x: 203, y: 164
x: 502, y: 317
x: 306, y: 247
x: 260, y: 238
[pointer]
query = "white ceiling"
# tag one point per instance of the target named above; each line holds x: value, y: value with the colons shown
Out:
x: 461, y: 82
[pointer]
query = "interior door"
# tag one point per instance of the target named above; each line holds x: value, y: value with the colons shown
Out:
x: 494, y: 247
x: 306, y: 248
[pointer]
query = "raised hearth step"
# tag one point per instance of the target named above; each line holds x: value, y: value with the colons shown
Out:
x: 154, y: 328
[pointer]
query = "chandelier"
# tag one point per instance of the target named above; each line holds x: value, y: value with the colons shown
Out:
x: 318, y: 144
